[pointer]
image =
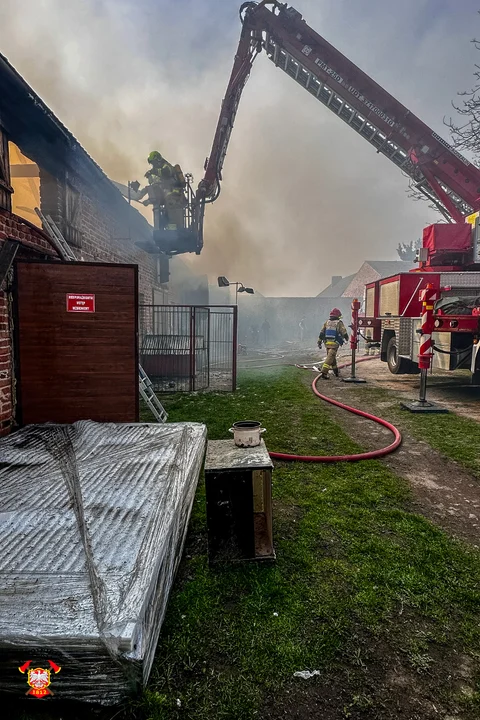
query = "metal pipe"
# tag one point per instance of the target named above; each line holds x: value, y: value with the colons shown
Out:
x: 423, y: 385
x: 353, y: 363
x: 235, y: 348
x: 354, y: 342
x: 192, y: 349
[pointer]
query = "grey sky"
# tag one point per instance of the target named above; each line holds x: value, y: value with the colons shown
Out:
x: 303, y: 197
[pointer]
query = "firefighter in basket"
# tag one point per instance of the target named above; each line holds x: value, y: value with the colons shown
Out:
x: 165, y: 191
x: 333, y: 334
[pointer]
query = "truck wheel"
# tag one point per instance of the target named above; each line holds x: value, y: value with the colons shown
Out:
x: 396, y: 364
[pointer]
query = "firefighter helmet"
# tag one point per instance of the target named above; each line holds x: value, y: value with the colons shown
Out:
x: 154, y: 157
x: 335, y: 312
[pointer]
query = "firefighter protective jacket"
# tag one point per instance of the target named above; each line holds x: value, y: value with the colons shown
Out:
x: 333, y: 332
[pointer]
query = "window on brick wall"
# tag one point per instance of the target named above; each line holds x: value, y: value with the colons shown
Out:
x: 162, y: 273
x: 5, y: 186
x: 73, y: 212
x: 25, y: 179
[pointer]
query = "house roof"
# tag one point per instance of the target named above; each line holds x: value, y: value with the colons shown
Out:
x: 43, y: 138
x: 372, y: 270
x: 337, y: 290
x: 390, y: 267
x: 353, y: 285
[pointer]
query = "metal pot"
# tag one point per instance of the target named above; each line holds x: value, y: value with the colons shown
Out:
x: 247, y: 433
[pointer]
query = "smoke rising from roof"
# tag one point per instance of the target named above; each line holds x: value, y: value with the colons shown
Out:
x: 303, y: 198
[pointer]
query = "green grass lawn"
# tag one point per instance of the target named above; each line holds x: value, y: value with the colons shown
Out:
x: 356, y: 572
x: 452, y: 435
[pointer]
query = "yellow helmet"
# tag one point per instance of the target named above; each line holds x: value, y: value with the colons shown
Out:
x: 154, y: 157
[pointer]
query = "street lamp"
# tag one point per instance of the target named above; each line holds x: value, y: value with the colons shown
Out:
x: 239, y: 287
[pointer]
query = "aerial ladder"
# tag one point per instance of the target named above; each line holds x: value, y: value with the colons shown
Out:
x: 435, y: 168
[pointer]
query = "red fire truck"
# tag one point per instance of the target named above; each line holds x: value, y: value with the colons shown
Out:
x: 436, y: 169
x: 448, y: 179
x: 450, y: 262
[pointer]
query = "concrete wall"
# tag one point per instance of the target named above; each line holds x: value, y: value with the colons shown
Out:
x: 284, y: 316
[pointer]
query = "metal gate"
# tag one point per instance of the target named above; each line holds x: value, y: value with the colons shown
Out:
x: 189, y: 347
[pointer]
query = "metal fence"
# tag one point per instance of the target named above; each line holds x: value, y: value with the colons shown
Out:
x: 189, y: 347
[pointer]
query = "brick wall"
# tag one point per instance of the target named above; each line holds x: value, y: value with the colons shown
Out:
x: 34, y: 245
x: 365, y: 275
x: 107, y: 231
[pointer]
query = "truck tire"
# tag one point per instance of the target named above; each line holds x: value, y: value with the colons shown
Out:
x: 414, y: 369
x: 396, y: 364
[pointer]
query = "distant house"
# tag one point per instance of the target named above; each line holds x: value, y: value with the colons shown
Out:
x: 353, y: 286
x: 337, y: 287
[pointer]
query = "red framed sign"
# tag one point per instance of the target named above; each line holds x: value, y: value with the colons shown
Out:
x: 80, y: 303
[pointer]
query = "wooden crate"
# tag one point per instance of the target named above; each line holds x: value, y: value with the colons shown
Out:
x: 238, y: 485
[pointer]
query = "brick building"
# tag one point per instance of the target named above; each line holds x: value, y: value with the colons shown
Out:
x: 353, y: 286
x: 43, y: 165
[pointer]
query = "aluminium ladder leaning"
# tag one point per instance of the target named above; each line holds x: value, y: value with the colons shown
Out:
x: 59, y: 242
x: 148, y: 394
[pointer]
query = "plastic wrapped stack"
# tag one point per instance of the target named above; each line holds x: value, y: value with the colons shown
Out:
x: 93, y: 519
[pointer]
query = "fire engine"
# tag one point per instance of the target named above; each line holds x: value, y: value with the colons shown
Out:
x: 449, y: 261
x: 450, y: 256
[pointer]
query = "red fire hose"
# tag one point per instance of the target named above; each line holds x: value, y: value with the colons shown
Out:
x: 346, y: 458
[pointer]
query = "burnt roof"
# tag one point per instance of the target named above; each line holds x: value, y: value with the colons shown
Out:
x: 42, y: 137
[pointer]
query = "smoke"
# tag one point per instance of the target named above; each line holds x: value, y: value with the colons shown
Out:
x: 303, y: 197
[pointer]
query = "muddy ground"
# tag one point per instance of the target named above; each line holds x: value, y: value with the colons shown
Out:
x: 443, y: 491
x: 450, y: 389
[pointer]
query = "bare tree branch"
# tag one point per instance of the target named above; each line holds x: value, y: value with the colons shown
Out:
x: 465, y: 131
x: 408, y: 252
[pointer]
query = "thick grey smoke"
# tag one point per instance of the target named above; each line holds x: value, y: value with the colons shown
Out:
x: 303, y: 197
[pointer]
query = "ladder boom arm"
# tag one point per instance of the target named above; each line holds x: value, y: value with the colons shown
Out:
x: 248, y: 49
x: 435, y: 167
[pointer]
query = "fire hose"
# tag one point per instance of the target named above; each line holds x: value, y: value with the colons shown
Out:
x: 463, y: 351
x: 371, y: 455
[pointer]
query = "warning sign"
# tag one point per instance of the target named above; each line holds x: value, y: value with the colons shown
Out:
x: 80, y: 303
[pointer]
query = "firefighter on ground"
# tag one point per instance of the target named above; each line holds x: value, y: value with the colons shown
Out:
x: 333, y: 334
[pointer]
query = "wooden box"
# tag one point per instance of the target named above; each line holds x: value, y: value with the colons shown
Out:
x: 238, y: 485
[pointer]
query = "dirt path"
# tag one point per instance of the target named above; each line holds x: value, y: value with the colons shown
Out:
x: 442, y: 490
x: 384, y: 688
x: 450, y: 389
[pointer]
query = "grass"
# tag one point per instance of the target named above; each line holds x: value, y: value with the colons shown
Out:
x: 353, y: 566
x: 454, y: 436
